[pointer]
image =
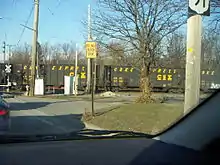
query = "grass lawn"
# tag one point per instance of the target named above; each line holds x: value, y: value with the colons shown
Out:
x: 147, y: 118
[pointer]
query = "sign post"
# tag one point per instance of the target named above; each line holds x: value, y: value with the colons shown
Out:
x: 91, y: 53
x: 8, y: 71
x: 196, y: 9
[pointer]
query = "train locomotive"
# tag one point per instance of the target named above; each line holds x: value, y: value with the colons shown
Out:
x: 112, y: 78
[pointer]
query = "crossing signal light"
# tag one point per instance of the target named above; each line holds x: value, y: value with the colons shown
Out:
x: 3, y: 47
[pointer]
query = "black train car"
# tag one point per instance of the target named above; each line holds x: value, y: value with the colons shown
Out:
x: 53, y: 75
x: 116, y: 78
x: 25, y: 73
x: 162, y: 79
x: 210, y: 79
x: 168, y: 79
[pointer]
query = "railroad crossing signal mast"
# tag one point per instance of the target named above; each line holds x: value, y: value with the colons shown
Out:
x: 91, y: 53
x: 3, y: 50
x: 196, y: 9
x: 8, y: 71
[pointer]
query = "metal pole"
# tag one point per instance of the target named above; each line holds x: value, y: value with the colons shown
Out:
x: 193, y: 62
x: 8, y: 78
x: 4, y: 49
x: 9, y: 53
x: 8, y: 81
x: 4, y: 53
x: 34, y: 46
x: 94, y: 74
x: 92, y: 86
x: 88, y: 60
x: 76, y: 75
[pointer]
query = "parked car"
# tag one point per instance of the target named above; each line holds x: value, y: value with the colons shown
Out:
x: 4, y: 115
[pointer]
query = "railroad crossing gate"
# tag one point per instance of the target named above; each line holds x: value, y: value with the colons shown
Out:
x: 91, y: 49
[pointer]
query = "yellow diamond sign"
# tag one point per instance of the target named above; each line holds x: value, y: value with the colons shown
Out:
x: 91, y: 49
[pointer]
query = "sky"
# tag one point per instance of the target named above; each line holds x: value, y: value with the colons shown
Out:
x: 59, y: 21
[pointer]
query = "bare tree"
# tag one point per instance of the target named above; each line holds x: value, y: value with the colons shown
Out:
x: 210, y: 48
x: 46, y: 52
x: 66, y: 49
x: 40, y: 55
x: 55, y: 54
x: 142, y: 25
x: 176, y: 50
x: 116, y: 51
x: 21, y: 55
x: 214, y: 22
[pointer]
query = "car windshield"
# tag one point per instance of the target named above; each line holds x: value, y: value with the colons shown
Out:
x: 126, y: 65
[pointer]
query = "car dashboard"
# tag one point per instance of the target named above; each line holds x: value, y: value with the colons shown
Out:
x: 136, y: 151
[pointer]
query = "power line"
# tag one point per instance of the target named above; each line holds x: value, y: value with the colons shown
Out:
x: 14, y: 2
x: 58, y: 4
x: 23, y: 30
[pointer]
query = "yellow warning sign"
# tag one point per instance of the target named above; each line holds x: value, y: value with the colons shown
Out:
x: 91, y: 49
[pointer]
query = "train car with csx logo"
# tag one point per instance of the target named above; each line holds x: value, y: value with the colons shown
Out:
x: 163, y: 79
x: 53, y: 75
x: 115, y: 78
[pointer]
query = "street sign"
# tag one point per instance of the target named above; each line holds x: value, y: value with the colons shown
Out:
x: 91, y: 49
x: 8, y: 68
x: 201, y: 7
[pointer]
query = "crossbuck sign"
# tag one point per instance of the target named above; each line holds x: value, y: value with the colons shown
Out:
x: 8, y: 68
x: 199, y: 6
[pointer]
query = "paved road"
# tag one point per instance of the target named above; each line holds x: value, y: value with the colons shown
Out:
x: 46, y: 115
x: 35, y: 115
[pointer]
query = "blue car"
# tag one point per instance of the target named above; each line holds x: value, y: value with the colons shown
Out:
x: 4, y: 116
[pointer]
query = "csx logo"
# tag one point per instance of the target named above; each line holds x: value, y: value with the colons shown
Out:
x: 81, y: 75
x: 164, y: 77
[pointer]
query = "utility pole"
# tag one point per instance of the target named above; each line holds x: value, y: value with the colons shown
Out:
x: 76, y: 75
x: 88, y: 60
x: 34, y: 46
x: 193, y: 60
x: 197, y: 8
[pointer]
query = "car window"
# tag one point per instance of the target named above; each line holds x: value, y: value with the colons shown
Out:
x: 128, y: 74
